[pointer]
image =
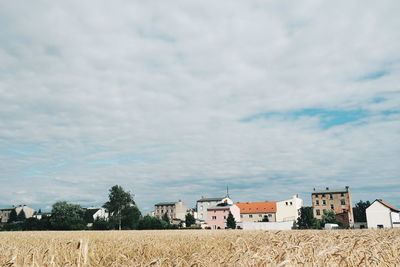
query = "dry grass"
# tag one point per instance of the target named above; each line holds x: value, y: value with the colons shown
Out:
x: 201, y: 248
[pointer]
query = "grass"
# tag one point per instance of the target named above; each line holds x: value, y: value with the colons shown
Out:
x: 201, y: 248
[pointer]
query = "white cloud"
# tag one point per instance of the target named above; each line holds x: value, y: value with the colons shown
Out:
x: 154, y: 93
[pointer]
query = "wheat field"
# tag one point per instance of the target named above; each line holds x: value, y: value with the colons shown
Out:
x: 201, y: 248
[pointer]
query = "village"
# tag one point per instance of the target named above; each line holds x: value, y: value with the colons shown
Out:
x: 217, y: 213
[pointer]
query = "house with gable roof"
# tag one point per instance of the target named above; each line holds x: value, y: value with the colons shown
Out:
x: 381, y: 214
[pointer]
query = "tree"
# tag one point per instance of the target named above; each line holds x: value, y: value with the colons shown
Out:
x: 150, y: 223
x: 265, y: 219
x: 130, y: 217
x: 21, y: 216
x: 165, y: 218
x: 359, y: 211
x: 118, y: 200
x: 306, y: 219
x: 230, y: 221
x: 13, y: 216
x: 65, y: 216
x: 102, y: 224
x: 328, y: 217
x: 189, y: 219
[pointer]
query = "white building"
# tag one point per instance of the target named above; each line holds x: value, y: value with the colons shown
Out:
x: 382, y: 215
x: 204, y: 203
x: 98, y: 213
x: 288, y: 210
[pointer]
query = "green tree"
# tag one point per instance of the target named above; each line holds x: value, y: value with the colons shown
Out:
x: 65, y: 216
x: 306, y: 219
x: 328, y: 217
x: 118, y: 200
x: 265, y: 219
x: 230, y: 221
x: 359, y: 211
x: 102, y: 224
x: 150, y: 223
x: 13, y: 216
x: 21, y: 216
x: 189, y: 219
x: 130, y: 217
x: 166, y: 219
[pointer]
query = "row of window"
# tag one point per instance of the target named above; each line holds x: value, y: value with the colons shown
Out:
x: 162, y: 211
x: 342, y: 202
x: 259, y: 215
x: 330, y: 195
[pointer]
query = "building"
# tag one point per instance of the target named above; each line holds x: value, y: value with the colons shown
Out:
x: 382, y: 215
x: 5, y: 213
x: 174, y: 210
x: 217, y: 215
x: 257, y: 211
x: 288, y: 210
x: 339, y: 201
x: 204, y: 203
x: 92, y: 214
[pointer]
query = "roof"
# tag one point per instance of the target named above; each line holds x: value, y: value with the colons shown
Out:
x: 205, y: 199
x: 227, y: 207
x: 165, y: 204
x: 257, y: 207
x: 387, y: 205
x: 328, y: 191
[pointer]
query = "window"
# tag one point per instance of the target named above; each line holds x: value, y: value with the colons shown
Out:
x: 332, y: 207
x: 250, y: 216
x: 318, y: 212
x: 323, y: 195
x: 224, y: 217
x: 259, y: 215
x: 330, y: 196
x: 342, y: 194
x: 270, y: 215
x: 291, y: 203
x: 380, y: 226
x: 317, y: 202
x: 343, y: 202
x: 214, y: 217
x: 286, y: 203
x: 324, y: 202
x: 241, y: 216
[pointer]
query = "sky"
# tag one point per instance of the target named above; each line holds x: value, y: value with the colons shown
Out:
x: 178, y: 99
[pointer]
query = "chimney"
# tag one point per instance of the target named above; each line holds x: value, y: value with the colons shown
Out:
x: 327, y: 188
x: 314, y: 188
x: 347, y: 188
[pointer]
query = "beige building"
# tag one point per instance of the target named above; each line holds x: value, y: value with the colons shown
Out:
x: 337, y: 200
x: 257, y: 211
x: 5, y: 213
x: 174, y: 210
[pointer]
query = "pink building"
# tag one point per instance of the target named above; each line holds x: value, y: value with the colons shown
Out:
x: 217, y: 215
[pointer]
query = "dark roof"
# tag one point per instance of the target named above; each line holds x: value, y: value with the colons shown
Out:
x: 91, y: 212
x: 165, y: 204
x: 219, y: 207
x: 205, y: 199
x: 329, y: 191
x: 387, y: 205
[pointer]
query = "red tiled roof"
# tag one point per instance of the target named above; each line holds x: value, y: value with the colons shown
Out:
x: 256, y: 207
x: 387, y: 205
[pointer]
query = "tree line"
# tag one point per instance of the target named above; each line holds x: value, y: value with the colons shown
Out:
x: 123, y: 215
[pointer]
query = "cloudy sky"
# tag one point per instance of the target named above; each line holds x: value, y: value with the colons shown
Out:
x: 175, y: 99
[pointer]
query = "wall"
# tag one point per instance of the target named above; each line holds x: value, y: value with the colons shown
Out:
x: 266, y: 225
x: 378, y: 214
x: 257, y: 217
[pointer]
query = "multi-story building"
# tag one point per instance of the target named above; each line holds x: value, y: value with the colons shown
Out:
x: 257, y: 211
x: 204, y: 203
x: 217, y: 215
x: 289, y: 209
x: 174, y: 210
x: 337, y: 200
x: 5, y: 213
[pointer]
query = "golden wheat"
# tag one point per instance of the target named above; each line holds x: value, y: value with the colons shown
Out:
x: 201, y: 248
